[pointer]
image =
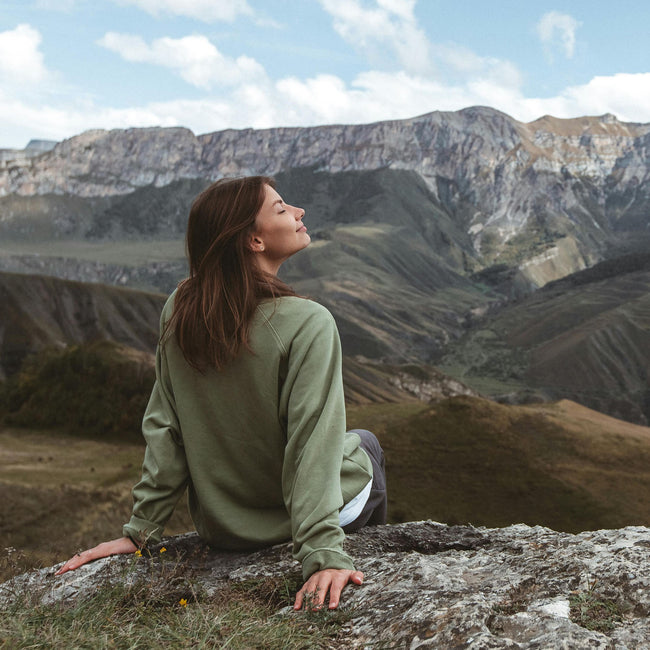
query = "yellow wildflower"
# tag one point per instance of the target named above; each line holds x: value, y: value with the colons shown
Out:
x: 138, y: 553
x: 182, y: 602
x: 163, y: 549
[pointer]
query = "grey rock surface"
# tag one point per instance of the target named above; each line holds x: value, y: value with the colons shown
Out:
x: 428, y: 585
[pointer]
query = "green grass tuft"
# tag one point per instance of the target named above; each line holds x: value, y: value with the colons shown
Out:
x: 595, y: 611
x: 166, y: 610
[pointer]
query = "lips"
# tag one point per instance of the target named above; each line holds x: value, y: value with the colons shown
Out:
x: 302, y: 228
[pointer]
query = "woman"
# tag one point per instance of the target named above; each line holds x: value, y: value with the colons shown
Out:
x: 247, y: 411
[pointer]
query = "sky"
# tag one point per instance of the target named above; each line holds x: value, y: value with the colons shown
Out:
x: 67, y: 66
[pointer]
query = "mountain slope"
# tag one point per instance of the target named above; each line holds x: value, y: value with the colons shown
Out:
x: 470, y: 460
x: 387, y: 258
x: 114, y: 327
x: 421, y: 228
x: 39, y: 312
x: 584, y: 180
x: 586, y: 337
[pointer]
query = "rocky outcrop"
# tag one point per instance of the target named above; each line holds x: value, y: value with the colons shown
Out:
x: 17, y: 157
x: 428, y: 585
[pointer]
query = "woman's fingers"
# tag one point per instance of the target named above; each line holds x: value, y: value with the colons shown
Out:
x: 320, y: 584
x: 75, y: 562
x: 339, y: 582
x: 114, y: 547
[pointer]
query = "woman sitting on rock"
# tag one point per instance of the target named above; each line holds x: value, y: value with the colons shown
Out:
x: 247, y: 411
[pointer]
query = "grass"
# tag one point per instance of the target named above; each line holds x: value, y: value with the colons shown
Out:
x: 129, y: 252
x: 595, y: 611
x: 167, y: 610
x: 470, y: 460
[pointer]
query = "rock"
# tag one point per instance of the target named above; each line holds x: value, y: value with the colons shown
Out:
x: 428, y: 585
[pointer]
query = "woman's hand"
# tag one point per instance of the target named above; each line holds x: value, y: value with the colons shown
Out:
x: 114, y: 547
x: 315, y: 590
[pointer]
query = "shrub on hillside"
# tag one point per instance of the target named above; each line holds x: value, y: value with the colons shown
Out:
x: 96, y: 390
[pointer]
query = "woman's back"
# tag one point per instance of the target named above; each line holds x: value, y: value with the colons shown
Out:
x: 263, y: 438
x: 247, y: 411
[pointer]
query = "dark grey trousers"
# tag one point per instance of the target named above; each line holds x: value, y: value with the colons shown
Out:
x: 374, y: 512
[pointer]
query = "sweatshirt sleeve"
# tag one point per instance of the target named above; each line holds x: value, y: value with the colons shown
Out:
x: 312, y: 395
x: 164, y: 470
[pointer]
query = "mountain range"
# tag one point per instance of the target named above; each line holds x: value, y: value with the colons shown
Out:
x: 510, y: 254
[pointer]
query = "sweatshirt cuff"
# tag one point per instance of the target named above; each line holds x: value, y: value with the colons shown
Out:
x: 325, y: 558
x: 142, y: 532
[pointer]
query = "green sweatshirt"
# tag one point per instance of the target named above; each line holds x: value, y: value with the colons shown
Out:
x: 260, y: 445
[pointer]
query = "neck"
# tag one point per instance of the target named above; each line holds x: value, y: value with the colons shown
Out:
x: 268, y: 266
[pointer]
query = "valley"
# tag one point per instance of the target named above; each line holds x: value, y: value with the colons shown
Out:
x: 489, y: 278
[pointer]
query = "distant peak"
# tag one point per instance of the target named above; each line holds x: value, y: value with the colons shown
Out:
x: 41, y: 145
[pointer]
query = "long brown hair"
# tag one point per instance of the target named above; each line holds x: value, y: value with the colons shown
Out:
x: 214, y: 306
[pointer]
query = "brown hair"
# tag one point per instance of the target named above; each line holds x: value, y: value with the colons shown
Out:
x: 214, y: 306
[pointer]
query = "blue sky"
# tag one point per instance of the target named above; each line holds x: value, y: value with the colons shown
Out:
x: 71, y: 65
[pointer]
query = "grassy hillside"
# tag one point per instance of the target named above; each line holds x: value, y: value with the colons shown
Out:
x: 586, y: 338
x: 462, y: 460
x: 470, y: 460
x: 40, y: 312
x: 64, y: 493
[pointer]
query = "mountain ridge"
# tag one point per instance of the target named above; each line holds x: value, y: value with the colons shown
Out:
x: 584, y: 180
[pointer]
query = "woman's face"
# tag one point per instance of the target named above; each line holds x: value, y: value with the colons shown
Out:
x: 279, y: 232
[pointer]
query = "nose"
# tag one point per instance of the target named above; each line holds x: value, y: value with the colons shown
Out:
x: 300, y: 213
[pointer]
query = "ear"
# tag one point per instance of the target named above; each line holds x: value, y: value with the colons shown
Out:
x: 255, y: 244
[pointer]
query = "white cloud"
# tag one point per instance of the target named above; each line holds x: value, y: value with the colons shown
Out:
x: 194, y: 58
x: 389, y: 24
x: 625, y: 95
x: 558, y: 30
x: 21, y: 61
x: 205, y: 10
x: 463, y: 65
x: 326, y: 99
x: 248, y: 97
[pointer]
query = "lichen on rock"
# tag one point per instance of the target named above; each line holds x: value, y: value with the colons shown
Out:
x: 432, y: 585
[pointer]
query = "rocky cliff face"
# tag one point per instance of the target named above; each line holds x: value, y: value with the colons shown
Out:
x: 428, y: 585
x: 581, y: 178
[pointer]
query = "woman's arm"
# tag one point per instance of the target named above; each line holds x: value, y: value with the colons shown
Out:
x: 114, y: 547
x: 313, y: 403
x: 164, y: 469
x: 163, y: 480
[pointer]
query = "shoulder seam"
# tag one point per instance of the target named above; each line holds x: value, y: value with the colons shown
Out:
x: 273, y: 330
